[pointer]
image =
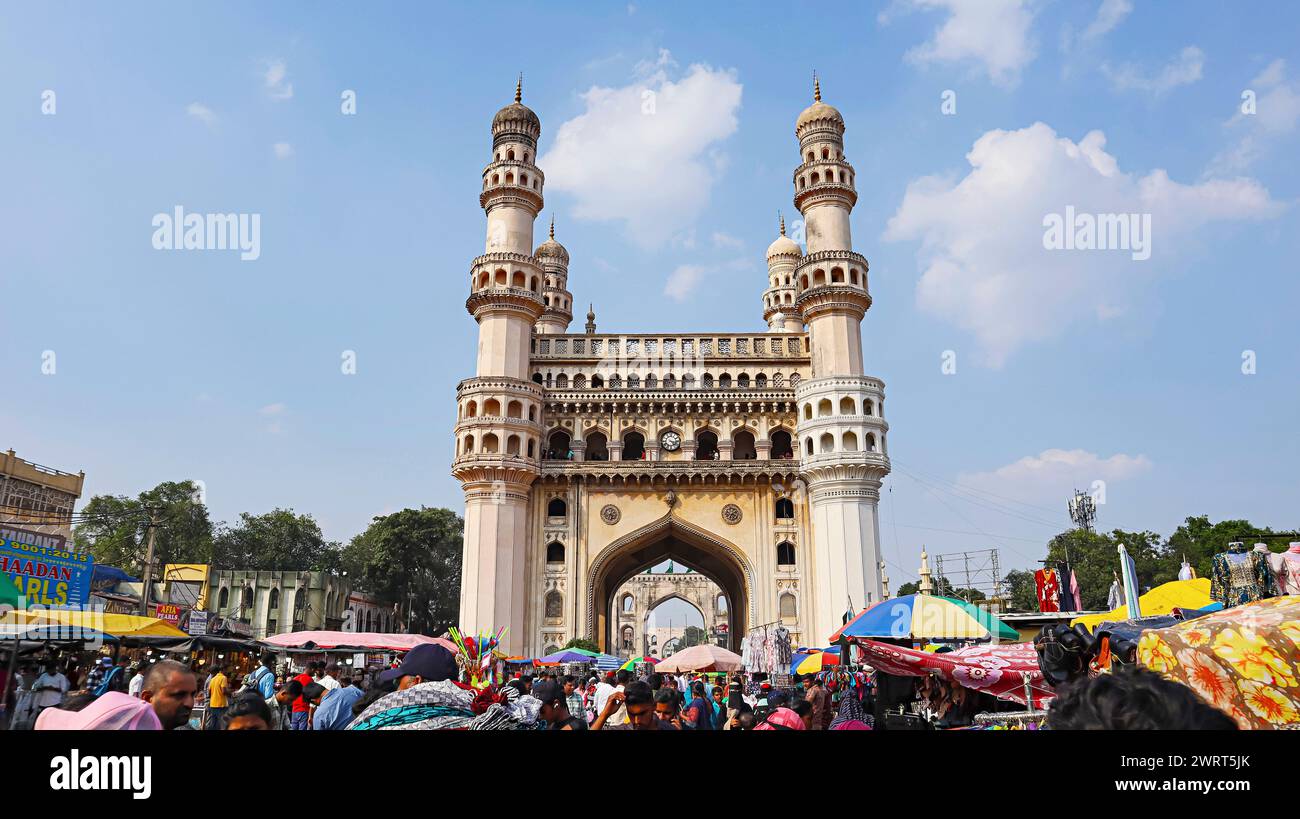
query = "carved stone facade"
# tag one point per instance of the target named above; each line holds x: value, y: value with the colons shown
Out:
x: 753, y: 458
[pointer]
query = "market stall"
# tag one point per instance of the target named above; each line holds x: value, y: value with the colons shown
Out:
x: 1163, y: 599
x: 926, y: 617
x: 1003, y: 670
x: 704, y: 657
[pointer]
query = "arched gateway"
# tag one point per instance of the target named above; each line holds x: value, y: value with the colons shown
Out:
x: 669, y: 538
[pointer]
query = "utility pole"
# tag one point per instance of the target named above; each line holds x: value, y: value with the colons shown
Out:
x: 146, y: 588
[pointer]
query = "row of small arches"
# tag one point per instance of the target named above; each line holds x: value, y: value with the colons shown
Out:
x: 492, y: 409
x: 503, y: 279
x: 819, y: 278
x: 826, y: 154
x: 669, y: 382
x: 815, y: 178
x: 509, y: 156
x: 848, y: 406
x: 490, y: 444
x: 848, y: 443
x: 510, y: 180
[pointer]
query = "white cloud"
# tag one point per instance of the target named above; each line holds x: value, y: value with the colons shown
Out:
x: 275, y: 413
x: 645, y: 154
x: 283, y: 150
x: 1109, y: 15
x: 276, y: 80
x: 273, y: 409
x: 1051, y: 475
x: 983, y: 264
x: 201, y: 112
x: 1185, y: 69
x: 683, y: 281
x: 1277, y: 112
x: 726, y: 240
x: 992, y: 33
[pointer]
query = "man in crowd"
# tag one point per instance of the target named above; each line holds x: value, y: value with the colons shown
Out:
x: 555, y: 708
x: 573, y: 697
x: 170, y: 688
x: 280, y: 702
x: 335, y: 709
x: 263, y: 679
x: 820, y: 698
x: 427, y: 662
x: 329, y: 677
x: 667, y: 708
x: 218, y: 698
x: 49, y: 688
x: 638, y: 703
x: 136, y: 687
x: 298, y: 717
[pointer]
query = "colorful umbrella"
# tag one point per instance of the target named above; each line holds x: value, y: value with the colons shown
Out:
x: 635, y: 661
x: 1245, y: 660
x: 926, y: 617
x: 813, y: 661
x: 566, y: 655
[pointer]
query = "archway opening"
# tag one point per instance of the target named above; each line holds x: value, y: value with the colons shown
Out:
x: 691, y: 551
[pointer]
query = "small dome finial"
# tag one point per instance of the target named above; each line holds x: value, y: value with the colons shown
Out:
x: 552, y: 225
x: 817, y: 88
x: 519, y: 88
x: 782, y: 218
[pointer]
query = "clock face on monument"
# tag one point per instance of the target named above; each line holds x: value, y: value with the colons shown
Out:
x: 671, y: 441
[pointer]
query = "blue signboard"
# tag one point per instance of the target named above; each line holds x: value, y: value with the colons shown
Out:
x: 47, y: 575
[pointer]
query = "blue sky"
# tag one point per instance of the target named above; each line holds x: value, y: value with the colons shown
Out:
x: 1072, y: 366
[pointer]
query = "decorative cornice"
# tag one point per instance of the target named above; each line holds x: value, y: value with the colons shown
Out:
x: 473, y: 470
x: 833, y: 298
x: 512, y: 195
x: 821, y: 257
x: 500, y: 256
x: 672, y: 471
x: 526, y: 303
x: 498, y: 383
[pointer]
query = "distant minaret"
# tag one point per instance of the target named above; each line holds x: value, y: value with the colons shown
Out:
x: 778, y: 300
x: 840, y: 428
x: 498, y: 435
x: 555, y: 293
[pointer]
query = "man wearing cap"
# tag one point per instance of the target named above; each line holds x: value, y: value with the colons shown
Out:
x: 427, y: 662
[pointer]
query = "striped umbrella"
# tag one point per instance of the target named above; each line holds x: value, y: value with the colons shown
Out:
x: 635, y: 661
x: 926, y: 617
x: 608, y: 662
x: 814, y: 660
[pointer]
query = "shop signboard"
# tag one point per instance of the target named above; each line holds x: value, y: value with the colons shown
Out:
x: 45, y: 572
x: 169, y: 613
x: 198, y: 624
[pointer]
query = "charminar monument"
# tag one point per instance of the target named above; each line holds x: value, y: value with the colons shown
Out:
x: 753, y: 458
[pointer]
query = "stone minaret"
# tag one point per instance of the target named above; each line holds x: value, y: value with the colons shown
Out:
x: 555, y: 294
x: 840, y: 426
x: 498, y: 431
x: 778, y: 300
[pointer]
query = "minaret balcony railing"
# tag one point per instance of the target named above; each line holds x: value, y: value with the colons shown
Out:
x: 822, y: 257
x: 839, y: 192
x: 517, y: 165
x: 512, y: 194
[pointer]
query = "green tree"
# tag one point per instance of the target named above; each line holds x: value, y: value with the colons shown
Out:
x: 908, y: 588
x: 582, y: 643
x: 277, y: 540
x: 412, y: 557
x: 1022, y: 592
x: 693, y: 636
x: 1094, y: 558
x: 114, y: 528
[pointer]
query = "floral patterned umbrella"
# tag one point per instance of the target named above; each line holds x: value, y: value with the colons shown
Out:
x: 1000, y: 670
x: 1243, y: 660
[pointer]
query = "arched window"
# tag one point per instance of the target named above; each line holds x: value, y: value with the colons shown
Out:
x: 597, y: 382
x: 223, y: 599
x: 554, y: 605
x: 512, y: 445
x: 627, y: 638
x: 597, y: 446
x: 824, y: 408
x: 537, y: 378
x: 580, y: 382
x: 827, y: 442
x: 785, y: 553
x: 628, y: 604
x: 558, y: 446
x: 742, y: 446
x: 274, y: 602
x: 633, y: 446
x: 849, y: 443
x: 706, y: 446
x: 781, y: 445
x: 247, y: 598
x: 784, y: 508
x: 871, y: 442
x: 742, y: 382
x: 557, y: 508
x: 868, y: 408
x: 707, y: 381
x: 490, y: 444
x: 721, y: 604
x: 471, y: 409
x: 761, y: 381
x: 515, y: 409
x: 807, y: 411
x: 469, y: 445
x: 808, y: 446
x: 789, y: 611
x: 847, y: 406
x: 555, y: 552
x: 724, y: 381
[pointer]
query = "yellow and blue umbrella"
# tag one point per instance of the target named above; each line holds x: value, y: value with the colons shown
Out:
x: 926, y: 617
x: 814, y: 660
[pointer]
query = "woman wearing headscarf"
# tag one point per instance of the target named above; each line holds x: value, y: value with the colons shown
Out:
x: 113, y: 711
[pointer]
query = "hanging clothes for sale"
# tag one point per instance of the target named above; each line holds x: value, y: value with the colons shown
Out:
x: 1186, y: 572
x: 1048, y: 586
x: 1075, y: 593
x: 1115, y: 597
x: 1239, y: 576
x: 1065, y: 598
x: 1286, y: 569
